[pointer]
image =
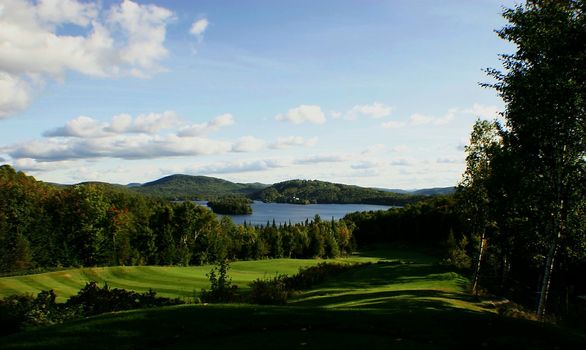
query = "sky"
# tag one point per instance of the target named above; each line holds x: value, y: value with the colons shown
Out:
x: 367, y: 92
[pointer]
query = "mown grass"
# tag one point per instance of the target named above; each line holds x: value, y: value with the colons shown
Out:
x: 404, y: 300
x: 169, y: 281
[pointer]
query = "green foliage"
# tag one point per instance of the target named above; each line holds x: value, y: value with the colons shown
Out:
x: 231, y: 205
x: 525, y: 179
x: 98, y: 225
x: 221, y: 288
x: 93, y: 300
x: 313, y: 191
x: 186, y: 187
x: 20, y: 311
x: 270, y: 291
x: 456, y: 255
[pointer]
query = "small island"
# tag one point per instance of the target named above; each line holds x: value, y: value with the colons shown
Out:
x: 231, y: 205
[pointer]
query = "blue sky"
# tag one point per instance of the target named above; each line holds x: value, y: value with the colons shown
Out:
x: 366, y: 92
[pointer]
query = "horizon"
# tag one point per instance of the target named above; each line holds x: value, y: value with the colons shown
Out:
x: 379, y: 94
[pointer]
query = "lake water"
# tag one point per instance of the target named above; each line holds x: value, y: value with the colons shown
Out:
x: 296, y: 213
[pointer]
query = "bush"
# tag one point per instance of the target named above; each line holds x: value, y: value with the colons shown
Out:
x: 221, y: 288
x: 273, y: 291
x: 93, y: 300
x: 20, y: 311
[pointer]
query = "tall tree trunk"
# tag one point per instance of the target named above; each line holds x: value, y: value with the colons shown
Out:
x: 546, y: 281
x: 478, y: 263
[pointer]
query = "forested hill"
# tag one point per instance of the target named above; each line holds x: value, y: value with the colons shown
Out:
x: 314, y: 191
x: 195, y: 187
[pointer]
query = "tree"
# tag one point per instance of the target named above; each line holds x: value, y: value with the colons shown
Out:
x: 473, y: 191
x: 544, y: 89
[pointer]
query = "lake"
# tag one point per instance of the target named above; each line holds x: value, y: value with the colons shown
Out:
x: 295, y: 213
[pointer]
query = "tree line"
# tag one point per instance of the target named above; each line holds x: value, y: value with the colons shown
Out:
x: 94, y: 225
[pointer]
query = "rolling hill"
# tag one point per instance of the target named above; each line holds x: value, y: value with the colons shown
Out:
x: 195, y: 187
x: 314, y: 191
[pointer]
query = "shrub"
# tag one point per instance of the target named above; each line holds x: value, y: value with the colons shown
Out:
x: 221, y: 288
x: 273, y: 291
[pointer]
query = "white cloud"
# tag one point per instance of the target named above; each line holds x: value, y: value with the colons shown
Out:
x: 419, y: 119
x: 14, y: 94
x: 152, y: 122
x: 144, y: 27
x: 483, y: 111
x: 203, y: 128
x: 66, y: 11
x: 290, y: 141
x: 199, y: 27
x: 375, y: 110
x: 88, y: 127
x: 248, y: 144
x: 241, y: 166
x: 323, y: 158
x: 367, y: 164
x: 126, y: 137
x: 303, y: 114
x: 81, y: 126
x: 126, y: 39
x: 138, y: 146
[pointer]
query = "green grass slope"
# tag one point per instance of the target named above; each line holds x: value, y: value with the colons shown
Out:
x: 169, y: 281
x: 402, y: 301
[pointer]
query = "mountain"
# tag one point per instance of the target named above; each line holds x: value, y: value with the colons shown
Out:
x: 314, y: 191
x: 436, y: 191
x: 195, y: 187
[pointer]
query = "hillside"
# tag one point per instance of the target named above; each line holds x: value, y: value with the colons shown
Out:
x: 314, y: 191
x: 195, y: 187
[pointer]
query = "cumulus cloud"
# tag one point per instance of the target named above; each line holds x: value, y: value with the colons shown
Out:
x: 199, y: 27
x: 126, y: 39
x: 375, y: 110
x: 290, y: 141
x: 14, y: 94
x: 248, y: 144
x: 203, y: 128
x: 81, y: 126
x: 140, y: 146
x: 303, y: 114
x: 419, y: 119
x: 88, y: 127
x: 130, y: 138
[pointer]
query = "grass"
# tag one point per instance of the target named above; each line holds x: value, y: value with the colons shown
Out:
x: 404, y: 300
x: 169, y: 281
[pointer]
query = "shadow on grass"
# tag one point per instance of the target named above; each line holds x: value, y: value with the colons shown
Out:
x: 385, y: 273
x: 248, y: 327
x: 390, y: 301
